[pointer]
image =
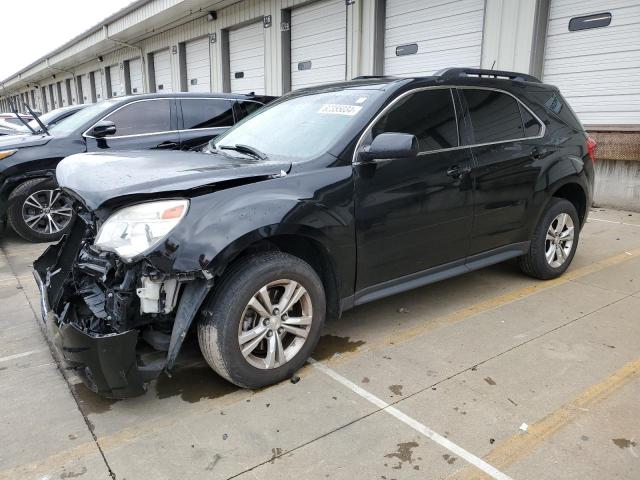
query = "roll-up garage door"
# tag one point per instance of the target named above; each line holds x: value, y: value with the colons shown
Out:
x: 97, y: 76
x: 115, y: 78
x: 135, y: 75
x: 423, y: 37
x: 162, y: 71
x: 592, y: 54
x: 318, y: 43
x: 246, y: 59
x: 86, y: 88
x: 198, y: 65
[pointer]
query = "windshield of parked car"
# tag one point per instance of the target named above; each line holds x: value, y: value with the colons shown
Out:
x: 77, y: 120
x: 46, y: 118
x: 298, y: 129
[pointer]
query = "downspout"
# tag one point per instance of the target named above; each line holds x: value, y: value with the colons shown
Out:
x: 105, y: 29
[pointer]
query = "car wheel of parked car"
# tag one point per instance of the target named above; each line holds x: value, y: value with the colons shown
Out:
x: 263, y: 320
x: 554, y: 241
x: 39, y: 211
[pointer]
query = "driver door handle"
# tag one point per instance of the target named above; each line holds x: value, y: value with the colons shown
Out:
x: 456, y: 171
x: 167, y: 145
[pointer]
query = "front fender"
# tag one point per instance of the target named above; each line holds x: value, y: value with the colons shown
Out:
x: 317, y: 205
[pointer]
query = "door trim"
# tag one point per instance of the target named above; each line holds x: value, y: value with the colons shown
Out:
x: 435, y: 274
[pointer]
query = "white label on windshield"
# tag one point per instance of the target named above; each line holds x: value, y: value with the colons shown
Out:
x: 361, y: 100
x: 337, y: 109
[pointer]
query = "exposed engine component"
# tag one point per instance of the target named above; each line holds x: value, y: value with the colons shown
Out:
x: 158, y: 296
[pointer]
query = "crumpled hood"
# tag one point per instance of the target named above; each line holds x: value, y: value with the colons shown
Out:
x: 99, y: 177
x: 22, y: 140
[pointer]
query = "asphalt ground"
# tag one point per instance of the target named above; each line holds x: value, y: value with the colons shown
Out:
x: 489, y: 375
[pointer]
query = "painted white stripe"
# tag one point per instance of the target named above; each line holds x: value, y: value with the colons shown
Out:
x: 17, y: 355
x: 611, y: 221
x: 417, y: 426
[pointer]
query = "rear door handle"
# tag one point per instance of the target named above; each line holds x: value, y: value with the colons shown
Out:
x: 167, y: 145
x: 456, y: 171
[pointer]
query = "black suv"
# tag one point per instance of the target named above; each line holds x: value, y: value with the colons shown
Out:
x: 328, y: 198
x: 29, y: 198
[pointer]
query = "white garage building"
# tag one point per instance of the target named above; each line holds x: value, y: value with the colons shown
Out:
x: 589, y: 48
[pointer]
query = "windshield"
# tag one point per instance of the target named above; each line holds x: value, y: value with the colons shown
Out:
x: 300, y: 128
x: 77, y: 120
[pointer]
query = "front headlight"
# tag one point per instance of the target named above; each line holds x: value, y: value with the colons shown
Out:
x: 136, y: 229
x: 6, y: 153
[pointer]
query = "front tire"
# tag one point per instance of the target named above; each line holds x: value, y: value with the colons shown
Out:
x: 554, y: 242
x: 39, y: 211
x: 263, y: 320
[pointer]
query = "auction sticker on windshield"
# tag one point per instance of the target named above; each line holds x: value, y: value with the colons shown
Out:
x: 338, y: 109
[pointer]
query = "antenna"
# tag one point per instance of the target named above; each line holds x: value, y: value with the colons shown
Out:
x: 493, y: 64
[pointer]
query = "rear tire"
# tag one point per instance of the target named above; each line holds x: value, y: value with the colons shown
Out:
x: 38, y: 211
x: 554, y: 242
x: 240, y: 314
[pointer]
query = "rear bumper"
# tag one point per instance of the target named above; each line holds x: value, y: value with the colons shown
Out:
x: 107, y: 363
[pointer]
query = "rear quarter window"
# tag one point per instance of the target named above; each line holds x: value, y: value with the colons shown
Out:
x: 555, y: 106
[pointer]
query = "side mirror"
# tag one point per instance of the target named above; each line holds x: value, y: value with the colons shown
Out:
x: 102, y: 129
x: 392, y: 145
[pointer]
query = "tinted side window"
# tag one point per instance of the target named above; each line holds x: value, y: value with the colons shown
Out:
x: 429, y: 115
x: 495, y: 116
x: 531, y: 126
x: 207, y: 113
x: 244, y: 109
x: 148, y: 116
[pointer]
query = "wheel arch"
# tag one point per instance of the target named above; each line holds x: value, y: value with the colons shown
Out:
x: 297, y: 242
x: 575, y: 193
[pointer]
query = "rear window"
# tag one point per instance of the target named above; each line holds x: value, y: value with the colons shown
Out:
x: 203, y: 113
x: 495, y: 116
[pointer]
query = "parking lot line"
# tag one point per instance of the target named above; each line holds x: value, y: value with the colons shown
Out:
x: 490, y: 304
x: 18, y: 355
x: 417, y: 426
x: 613, y: 221
x: 519, y: 446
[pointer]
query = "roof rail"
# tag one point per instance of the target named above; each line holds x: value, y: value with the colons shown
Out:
x: 450, y: 73
x: 367, y: 77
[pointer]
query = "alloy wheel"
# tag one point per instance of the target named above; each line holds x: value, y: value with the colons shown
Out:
x: 47, y: 211
x: 275, y: 324
x: 559, y: 240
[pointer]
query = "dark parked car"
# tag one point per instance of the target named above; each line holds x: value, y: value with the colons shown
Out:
x: 29, y: 198
x: 329, y: 198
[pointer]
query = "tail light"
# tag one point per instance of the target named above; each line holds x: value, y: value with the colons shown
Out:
x: 592, y: 145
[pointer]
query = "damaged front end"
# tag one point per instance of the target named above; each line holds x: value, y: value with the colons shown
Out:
x: 118, y: 324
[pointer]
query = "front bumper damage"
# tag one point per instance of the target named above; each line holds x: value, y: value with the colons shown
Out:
x: 99, y: 328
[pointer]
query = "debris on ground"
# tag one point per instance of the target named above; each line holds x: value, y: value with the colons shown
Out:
x: 295, y: 379
x: 524, y: 427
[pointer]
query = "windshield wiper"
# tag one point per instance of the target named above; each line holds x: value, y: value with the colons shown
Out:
x: 43, y: 129
x: 15, y: 112
x: 254, y: 152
